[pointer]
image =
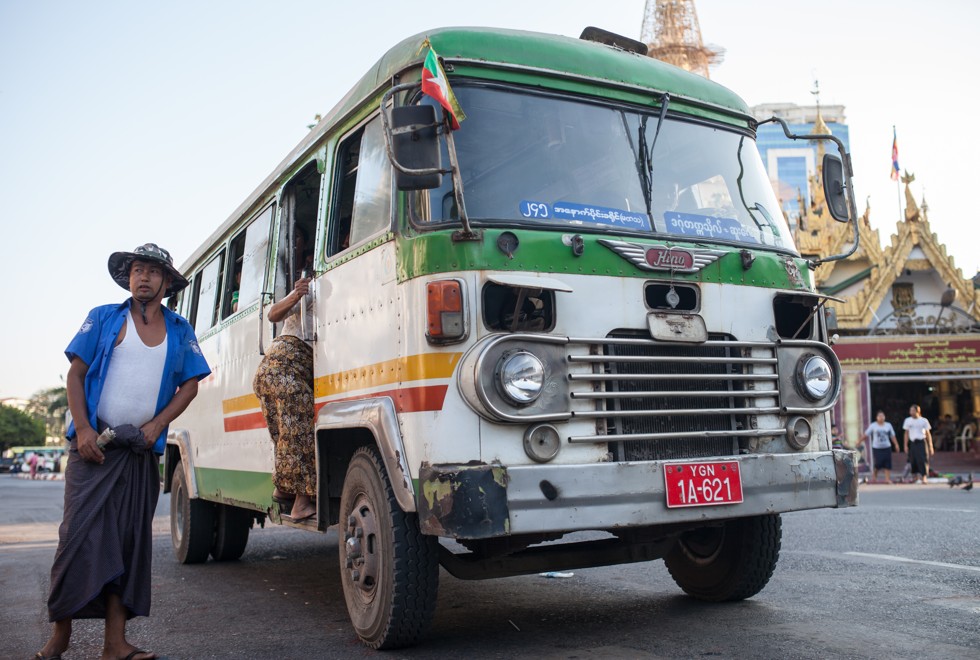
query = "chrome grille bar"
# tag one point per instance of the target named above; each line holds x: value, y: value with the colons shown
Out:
x: 678, y: 435
x: 604, y: 377
x: 676, y: 411
x: 666, y: 393
x: 642, y: 359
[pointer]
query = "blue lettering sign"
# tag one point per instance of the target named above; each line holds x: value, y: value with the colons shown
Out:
x: 599, y: 215
x: 705, y: 226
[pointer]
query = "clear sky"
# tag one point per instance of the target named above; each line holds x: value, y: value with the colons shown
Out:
x: 125, y: 122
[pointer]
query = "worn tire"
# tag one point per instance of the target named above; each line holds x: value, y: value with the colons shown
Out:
x: 388, y: 569
x: 191, y: 522
x: 731, y: 562
x: 232, y: 525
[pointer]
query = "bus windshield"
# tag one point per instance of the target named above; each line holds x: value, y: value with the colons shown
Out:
x: 534, y: 159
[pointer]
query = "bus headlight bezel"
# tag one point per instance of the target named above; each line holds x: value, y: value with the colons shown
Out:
x: 795, y: 398
x: 481, y: 386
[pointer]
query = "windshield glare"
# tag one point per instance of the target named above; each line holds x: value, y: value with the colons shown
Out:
x: 528, y: 158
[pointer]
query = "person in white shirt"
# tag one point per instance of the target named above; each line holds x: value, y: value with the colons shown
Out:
x: 918, y: 443
x: 883, y: 440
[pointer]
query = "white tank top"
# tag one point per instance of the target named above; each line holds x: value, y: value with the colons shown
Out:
x: 132, y: 382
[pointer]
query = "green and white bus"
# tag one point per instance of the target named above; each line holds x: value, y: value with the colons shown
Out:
x: 582, y: 310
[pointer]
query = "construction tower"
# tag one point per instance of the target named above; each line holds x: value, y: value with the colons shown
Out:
x: 673, y: 35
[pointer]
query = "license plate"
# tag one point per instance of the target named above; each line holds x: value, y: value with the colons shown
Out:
x: 703, y: 484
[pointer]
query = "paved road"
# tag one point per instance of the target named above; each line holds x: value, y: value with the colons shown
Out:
x: 898, y: 577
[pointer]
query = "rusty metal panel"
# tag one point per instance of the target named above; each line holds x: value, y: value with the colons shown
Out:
x: 847, y: 481
x: 463, y: 501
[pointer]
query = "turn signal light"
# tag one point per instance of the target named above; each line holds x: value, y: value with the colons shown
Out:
x: 445, y: 311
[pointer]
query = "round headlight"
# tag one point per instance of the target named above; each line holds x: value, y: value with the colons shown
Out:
x: 816, y: 377
x: 521, y: 377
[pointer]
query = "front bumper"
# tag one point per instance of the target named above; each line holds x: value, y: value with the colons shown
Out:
x: 485, y: 501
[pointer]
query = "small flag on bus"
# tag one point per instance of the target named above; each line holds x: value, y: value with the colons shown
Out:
x: 436, y: 85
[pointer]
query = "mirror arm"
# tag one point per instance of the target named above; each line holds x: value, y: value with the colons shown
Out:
x: 467, y: 233
x: 848, y: 182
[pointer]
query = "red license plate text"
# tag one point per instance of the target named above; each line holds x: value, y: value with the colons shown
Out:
x: 703, y: 484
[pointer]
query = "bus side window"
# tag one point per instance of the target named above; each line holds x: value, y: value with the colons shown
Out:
x: 206, y: 295
x: 364, y: 180
x: 247, y: 264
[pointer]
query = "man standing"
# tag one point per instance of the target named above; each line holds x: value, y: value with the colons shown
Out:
x: 883, y: 440
x: 134, y: 369
x: 918, y: 443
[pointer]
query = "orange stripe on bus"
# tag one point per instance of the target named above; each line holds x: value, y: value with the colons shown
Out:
x: 425, y: 366
x: 406, y: 400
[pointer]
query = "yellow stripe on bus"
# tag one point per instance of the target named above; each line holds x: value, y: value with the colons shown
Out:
x: 425, y: 366
x: 240, y: 404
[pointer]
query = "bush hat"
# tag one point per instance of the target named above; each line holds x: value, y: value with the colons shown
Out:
x: 119, y: 263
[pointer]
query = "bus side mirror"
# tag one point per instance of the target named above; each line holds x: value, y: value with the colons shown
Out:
x: 833, y: 187
x: 415, y: 146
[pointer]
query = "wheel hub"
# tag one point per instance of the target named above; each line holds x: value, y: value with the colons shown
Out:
x: 360, y: 547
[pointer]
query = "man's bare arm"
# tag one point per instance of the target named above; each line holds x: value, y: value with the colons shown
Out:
x: 87, y: 436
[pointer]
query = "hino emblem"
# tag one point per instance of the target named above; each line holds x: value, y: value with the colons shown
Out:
x: 662, y: 257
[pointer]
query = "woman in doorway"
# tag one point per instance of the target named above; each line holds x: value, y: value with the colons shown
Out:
x: 284, y: 386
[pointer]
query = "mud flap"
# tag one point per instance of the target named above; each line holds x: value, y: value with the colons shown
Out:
x: 463, y: 501
x: 847, y: 481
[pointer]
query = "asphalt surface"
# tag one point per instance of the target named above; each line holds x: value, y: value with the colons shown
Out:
x: 897, y: 577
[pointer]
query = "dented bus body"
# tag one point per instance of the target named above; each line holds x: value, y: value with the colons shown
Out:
x: 581, y: 311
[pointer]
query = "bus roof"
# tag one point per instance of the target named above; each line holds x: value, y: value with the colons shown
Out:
x: 531, y: 52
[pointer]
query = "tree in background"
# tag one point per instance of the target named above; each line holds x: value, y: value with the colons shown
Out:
x: 19, y: 429
x: 50, y: 406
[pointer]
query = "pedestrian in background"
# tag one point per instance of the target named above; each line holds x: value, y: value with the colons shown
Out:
x: 883, y: 440
x: 32, y: 461
x: 134, y: 368
x: 918, y: 443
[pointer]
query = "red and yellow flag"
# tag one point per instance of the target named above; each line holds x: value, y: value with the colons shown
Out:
x: 436, y: 85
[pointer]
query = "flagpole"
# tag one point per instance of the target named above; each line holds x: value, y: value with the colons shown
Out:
x: 897, y: 174
x: 898, y: 195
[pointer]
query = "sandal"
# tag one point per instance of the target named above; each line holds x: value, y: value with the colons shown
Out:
x: 41, y: 656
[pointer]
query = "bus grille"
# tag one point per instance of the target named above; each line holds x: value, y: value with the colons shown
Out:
x: 658, y: 401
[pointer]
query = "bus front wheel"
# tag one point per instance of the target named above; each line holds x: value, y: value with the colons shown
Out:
x: 191, y: 522
x: 733, y: 561
x: 389, y: 570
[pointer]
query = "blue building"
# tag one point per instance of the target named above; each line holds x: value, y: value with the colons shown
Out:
x: 791, y: 162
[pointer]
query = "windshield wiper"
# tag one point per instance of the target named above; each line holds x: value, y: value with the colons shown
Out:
x: 640, y: 161
x: 644, y: 155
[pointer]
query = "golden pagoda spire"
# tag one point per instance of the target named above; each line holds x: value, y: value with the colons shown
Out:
x: 911, y: 208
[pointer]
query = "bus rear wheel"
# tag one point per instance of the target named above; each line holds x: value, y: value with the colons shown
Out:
x: 230, y: 532
x: 191, y: 522
x: 389, y: 570
x: 733, y: 561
